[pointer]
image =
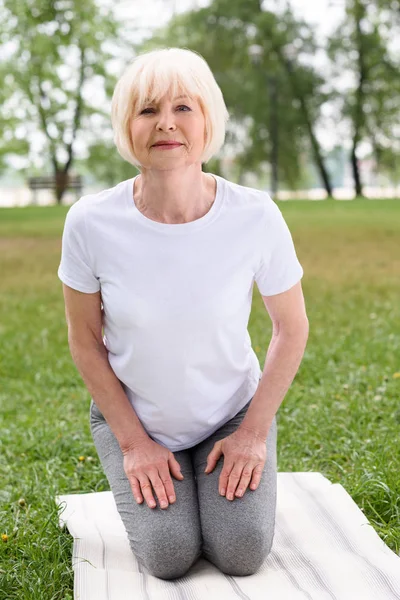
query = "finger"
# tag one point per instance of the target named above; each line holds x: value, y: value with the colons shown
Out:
x: 175, y: 467
x: 168, y: 484
x: 256, y: 478
x: 234, y: 479
x: 147, y: 491
x: 224, y: 477
x: 137, y: 494
x: 244, y: 480
x: 213, y: 457
x: 159, y: 488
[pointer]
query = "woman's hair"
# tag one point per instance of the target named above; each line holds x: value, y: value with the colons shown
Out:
x: 151, y: 75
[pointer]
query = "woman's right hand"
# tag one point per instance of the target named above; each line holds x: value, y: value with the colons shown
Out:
x: 147, y: 464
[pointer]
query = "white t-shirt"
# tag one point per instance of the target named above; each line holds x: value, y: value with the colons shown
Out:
x: 177, y: 300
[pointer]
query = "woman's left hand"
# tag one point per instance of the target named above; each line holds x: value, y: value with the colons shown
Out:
x: 245, y: 454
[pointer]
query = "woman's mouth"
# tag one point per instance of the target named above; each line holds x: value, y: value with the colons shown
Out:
x: 166, y: 146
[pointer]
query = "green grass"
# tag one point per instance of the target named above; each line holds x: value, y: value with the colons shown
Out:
x: 341, y: 415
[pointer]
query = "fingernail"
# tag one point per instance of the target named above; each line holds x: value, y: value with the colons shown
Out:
x: 164, y: 503
x: 230, y: 496
x: 172, y: 498
x: 222, y: 492
x: 138, y: 500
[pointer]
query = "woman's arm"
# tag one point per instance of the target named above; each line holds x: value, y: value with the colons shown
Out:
x: 84, y: 320
x: 284, y: 355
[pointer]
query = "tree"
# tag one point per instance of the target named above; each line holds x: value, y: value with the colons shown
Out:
x: 275, y: 102
x: 371, y: 105
x: 58, y: 50
x: 304, y: 82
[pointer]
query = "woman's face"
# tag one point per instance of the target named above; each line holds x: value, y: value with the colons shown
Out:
x: 181, y: 120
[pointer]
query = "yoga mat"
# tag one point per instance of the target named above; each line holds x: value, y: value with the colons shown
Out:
x: 324, y: 549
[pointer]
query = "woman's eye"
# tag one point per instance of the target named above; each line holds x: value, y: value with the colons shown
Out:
x: 181, y: 106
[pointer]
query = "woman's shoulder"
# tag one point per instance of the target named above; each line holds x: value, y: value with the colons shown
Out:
x: 250, y: 196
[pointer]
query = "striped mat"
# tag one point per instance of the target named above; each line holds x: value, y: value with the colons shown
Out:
x: 324, y: 549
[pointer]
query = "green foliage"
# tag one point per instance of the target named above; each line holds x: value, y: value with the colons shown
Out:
x: 105, y: 165
x: 57, y: 52
x: 224, y: 34
x: 361, y: 46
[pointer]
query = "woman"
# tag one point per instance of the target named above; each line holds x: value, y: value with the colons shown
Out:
x: 171, y: 255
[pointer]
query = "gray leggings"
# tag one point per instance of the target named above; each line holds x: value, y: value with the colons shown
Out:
x: 236, y: 536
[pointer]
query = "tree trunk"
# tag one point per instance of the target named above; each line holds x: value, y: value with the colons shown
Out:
x: 274, y: 128
x: 358, y: 119
x: 356, y: 172
x: 314, y: 142
x: 298, y: 94
x: 61, y: 185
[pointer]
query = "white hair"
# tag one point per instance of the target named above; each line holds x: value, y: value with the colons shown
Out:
x: 153, y: 74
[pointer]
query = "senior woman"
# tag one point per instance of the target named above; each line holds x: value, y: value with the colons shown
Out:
x: 165, y: 264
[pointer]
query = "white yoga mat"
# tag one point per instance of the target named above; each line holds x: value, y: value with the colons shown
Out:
x: 324, y: 548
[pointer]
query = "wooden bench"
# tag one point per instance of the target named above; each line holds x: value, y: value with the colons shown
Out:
x: 50, y: 183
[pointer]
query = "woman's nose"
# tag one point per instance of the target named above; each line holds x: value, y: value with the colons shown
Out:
x: 166, y: 121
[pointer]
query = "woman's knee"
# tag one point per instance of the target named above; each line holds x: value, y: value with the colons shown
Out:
x: 243, y: 551
x: 168, y: 555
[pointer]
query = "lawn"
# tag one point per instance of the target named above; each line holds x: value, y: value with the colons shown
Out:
x: 341, y: 415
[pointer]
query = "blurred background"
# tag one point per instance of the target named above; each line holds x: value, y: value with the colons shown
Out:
x: 312, y: 89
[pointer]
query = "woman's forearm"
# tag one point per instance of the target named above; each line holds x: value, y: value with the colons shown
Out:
x: 283, y: 359
x: 108, y: 394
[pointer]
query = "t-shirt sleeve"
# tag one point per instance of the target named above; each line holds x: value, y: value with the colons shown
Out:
x: 75, y: 269
x: 279, y: 268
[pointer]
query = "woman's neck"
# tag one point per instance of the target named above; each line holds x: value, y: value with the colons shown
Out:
x: 170, y: 197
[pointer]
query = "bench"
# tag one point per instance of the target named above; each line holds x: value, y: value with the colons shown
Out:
x: 52, y: 182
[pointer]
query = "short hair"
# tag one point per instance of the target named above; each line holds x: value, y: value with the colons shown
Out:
x: 151, y: 75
